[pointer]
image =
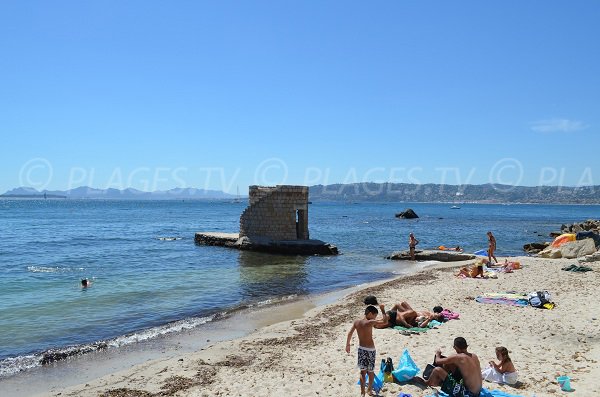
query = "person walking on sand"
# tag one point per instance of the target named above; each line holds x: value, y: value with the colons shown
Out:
x: 491, y: 247
x: 467, y: 364
x: 366, y: 345
x: 412, y: 243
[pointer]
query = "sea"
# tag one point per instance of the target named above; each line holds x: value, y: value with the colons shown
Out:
x: 149, y: 278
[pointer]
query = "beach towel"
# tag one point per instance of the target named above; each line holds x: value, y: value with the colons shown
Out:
x: 490, y: 374
x: 485, y: 393
x: 432, y: 324
x: 407, y: 369
x: 504, y: 299
x: 450, y: 315
x: 579, y: 269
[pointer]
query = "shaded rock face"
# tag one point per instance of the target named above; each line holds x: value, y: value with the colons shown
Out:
x: 570, y: 250
x: 432, y: 255
x: 534, y: 248
x: 407, y: 214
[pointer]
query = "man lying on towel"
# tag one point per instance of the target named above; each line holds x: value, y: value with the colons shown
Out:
x: 464, y: 362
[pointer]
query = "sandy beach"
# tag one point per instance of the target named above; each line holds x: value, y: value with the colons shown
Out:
x: 306, y: 357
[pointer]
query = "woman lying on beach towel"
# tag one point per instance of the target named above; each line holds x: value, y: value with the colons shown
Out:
x: 473, y: 270
x: 503, y: 372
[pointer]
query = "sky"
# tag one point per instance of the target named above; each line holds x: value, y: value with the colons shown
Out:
x: 222, y: 95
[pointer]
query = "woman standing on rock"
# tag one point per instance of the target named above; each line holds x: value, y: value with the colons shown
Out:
x: 412, y: 243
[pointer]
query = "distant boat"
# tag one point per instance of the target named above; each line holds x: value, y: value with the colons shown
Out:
x: 237, y: 199
x: 455, y: 207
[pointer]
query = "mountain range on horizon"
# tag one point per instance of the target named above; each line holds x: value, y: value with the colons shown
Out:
x: 86, y: 192
x: 355, y: 192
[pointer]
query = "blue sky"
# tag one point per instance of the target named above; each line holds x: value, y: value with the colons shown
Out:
x: 156, y: 95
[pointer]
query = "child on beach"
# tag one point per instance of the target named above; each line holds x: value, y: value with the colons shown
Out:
x: 366, y: 345
x: 504, y: 371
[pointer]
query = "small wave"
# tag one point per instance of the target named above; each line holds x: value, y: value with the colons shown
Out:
x: 12, y: 365
x: 169, y: 238
x: 50, y: 269
x: 151, y: 333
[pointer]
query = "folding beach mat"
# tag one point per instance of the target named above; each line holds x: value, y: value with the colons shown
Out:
x: 504, y: 299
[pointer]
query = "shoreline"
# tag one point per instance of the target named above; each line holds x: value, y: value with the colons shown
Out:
x: 305, y: 356
x: 82, y: 368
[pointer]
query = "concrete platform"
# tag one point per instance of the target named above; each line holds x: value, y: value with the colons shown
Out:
x: 286, y: 247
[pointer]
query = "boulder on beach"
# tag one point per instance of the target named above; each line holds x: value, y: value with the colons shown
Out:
x: 407, y: 214
x: 570, y: 250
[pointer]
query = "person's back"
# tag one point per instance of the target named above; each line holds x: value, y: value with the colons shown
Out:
x: 463, y: 362
x: 470, y: 369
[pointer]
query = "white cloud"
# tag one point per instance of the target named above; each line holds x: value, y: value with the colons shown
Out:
x: 558, y: 125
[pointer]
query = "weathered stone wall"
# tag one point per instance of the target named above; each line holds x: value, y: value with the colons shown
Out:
x: 272, y: 213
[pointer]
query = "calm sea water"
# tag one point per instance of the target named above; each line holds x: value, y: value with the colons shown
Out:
x: 145, y: 286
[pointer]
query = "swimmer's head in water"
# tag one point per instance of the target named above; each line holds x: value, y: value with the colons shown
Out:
x: 85, y: 282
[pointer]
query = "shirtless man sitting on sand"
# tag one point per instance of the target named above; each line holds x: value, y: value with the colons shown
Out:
x: 466, y: 363
x: 404, y: 315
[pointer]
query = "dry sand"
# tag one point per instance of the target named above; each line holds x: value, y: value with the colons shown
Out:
x: 306, y: 357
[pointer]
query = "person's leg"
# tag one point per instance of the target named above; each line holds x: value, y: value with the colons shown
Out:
x: 437, y: 377
x: 371, y: 380
x: 401, y: 307
x: 362, y: 382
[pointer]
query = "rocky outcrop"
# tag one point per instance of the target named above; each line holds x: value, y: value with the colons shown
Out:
x: 595, y: 257
x: 589, y: 225
x: 407, y: 214
x: 570, y: 250
x: 534, y: 248
x: 432, y: 255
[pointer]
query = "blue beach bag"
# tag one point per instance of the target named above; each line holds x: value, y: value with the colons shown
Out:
x: 407, y: 369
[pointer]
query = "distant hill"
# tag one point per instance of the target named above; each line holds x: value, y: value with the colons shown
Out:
x: 435, y: 193
x: 85, y: 192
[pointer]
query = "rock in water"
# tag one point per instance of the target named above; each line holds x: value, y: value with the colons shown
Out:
x: 407, y: 214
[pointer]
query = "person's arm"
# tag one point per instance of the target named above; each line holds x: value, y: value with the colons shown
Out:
x: 349, y: 338
x: 425, y: 323
x: 445, y: 360
x: 495, y: 366
x: 383, y: 322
